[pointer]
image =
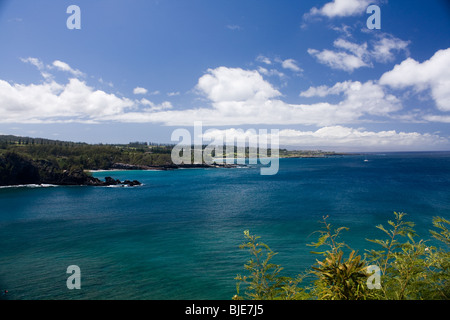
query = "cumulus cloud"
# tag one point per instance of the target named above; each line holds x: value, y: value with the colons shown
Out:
x: 291, y: 64
x: 341, y: 8
x: 385, y: 46
x: 74, y: 101
x: 437, y: 118
x: 54, y: 102
x: 349, y: 56
x: 139, y: 90
x: 263, y: 59
x: 338, y: 60
x: 361, y: 138
x: 235, y: 97
x: 234, y: 84
x: 323, y: 91
x: 242, y: 96
x: 432, y: 74
x: 344, y: 29
x: 39, y: 65
x: 34, y: 61
x: 57, y: 64
x: 288, y: 64
x: 339, y: 137
x: 239, y: 97
x: 271, y: 72
x: 155, y: 107
x: 60, y: 65
x: 369, y: 97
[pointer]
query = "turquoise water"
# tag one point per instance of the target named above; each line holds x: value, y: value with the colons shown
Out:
x: 177, y: 236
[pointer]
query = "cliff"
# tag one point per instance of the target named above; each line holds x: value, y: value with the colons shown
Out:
x: 18, y: 170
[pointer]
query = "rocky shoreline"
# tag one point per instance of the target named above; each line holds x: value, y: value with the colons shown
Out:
x: 17, y: 170
x: 125, y: 166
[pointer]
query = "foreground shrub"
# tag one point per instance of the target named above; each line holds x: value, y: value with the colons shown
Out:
x: 408, y: 268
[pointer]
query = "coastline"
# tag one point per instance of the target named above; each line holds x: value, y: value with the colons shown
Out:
x: 118, y: 170
x: 31, y: 185
x: 16, y: 170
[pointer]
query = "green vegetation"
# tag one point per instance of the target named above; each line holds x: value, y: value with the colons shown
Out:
x: 284, y: 153
x: 409, y: 269
x: 77, y: 155
x: 68, y: 155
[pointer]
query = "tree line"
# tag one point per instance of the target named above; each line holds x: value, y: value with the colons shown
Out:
x: 67, y: 155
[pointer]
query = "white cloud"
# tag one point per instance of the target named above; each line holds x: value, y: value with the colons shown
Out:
x: 271, y: 72
x: 263, y: 59
x: 384, y: 47
x: 341, y: 8
x: 288, y: 64
x: 240, y: 97
x: 341, y: 137
x: 53, y: 102
x: 437, y: 118
x: 173, y: 94
x: 155, y: 107
x: 368, y: 97
x: 338, y: 60
x: 39, y: 65
x: 433, y: 74
x: 291, y: 64
x: 323, y: 91
x: 34, y: 61
x: 344, y: 29
x: 235, y: 84
x: 57, y: 64
x: 236, y: 97
x: 359, y: 50
x: 353, y: 57
x: 139, y: 90
x: 60, y: 65
x: 350, y: 56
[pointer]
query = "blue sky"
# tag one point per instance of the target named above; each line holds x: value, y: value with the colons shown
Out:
x: 137, y: 70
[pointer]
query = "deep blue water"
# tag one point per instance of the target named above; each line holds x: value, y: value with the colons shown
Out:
x: 177, y: 237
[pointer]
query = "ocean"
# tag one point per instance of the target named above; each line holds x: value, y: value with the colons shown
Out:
x: 178, y: 235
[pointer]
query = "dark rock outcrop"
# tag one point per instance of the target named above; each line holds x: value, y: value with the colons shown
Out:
x: 17, y: 170
x: 111, y: 182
